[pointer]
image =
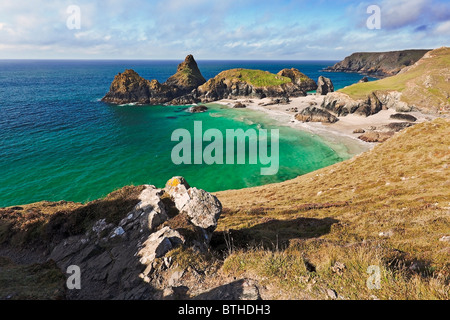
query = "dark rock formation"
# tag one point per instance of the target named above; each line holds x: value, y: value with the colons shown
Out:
x: 363, y: 80
x: 370, y: 106
x: 198, y: 109
x: 403, y: 117
x: 313, y: 114
x: 187, y: 78
x: 239, y: 105
x: 300, y: 79
x: 129, y: 87
x: 378, y: 64
x: 324, y: 86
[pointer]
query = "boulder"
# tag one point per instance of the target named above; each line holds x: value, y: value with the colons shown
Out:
x: 198, y: 109
x: 363, y: 80
x: 202, y: 208
x: 374, y: 136
x: 239, y: 105
x: 403, y: 117
x: 324, y: 86
x: 313, y: 114
x: 370, y: 106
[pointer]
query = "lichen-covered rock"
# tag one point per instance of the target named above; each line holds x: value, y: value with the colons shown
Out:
x: 202, y: 208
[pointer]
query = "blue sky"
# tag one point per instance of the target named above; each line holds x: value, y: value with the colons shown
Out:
x: 227, y: 29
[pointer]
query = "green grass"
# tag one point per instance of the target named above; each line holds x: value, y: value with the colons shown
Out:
x: 257, y: 78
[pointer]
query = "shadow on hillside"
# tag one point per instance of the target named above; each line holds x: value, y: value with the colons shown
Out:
x: 64, y: 224
x: 272, y: 234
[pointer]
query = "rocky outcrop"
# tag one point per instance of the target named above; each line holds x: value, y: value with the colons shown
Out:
x: 129, y: 87
x: 384, y: 132
x: 364, y: 80
x: 298, y: 78
x: 313, y: 114
x: 342, y: 105
x: 378, y: 64
x: 188, y: 86
x: 241, y: 83
x: 374, y: 136
x: 324, y: 86
x: 119, y: 260
x: 239, y: 105
x: 187, y: 78
x: 198, y: 109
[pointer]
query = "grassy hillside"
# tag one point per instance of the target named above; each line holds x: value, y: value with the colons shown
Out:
x: 399, y: 189
x: 425, y: 84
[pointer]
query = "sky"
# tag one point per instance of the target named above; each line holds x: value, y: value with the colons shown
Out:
x: 217, y: 30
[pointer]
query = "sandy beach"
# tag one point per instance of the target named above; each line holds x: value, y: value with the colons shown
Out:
x: 337, y: 135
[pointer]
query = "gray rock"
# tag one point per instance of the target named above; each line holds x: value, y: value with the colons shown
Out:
x: 313, y: 114
x: 202, y: 208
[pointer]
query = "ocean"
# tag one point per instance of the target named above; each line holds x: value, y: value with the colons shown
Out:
x: 58, y: 141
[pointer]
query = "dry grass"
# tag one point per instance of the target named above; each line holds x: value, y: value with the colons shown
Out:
x: 42, y: 222
x: 30, y: 282
x: 424, y: 85
x: 337, y: 213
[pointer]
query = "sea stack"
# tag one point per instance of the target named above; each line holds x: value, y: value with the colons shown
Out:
x: 324, y: 86
x: 129, y: 87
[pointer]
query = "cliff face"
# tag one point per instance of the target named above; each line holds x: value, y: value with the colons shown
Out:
x: 188, y: 76
x: 378, y: 64
x: 129, y: 87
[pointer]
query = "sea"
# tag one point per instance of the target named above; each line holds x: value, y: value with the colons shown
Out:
x: 58, y: 141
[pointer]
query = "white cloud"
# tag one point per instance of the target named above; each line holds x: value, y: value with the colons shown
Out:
x: 443, y: 28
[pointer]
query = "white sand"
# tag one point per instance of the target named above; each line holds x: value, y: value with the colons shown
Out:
x: 338, y: 135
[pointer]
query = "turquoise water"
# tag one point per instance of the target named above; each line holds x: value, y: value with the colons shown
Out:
x: 59, y: 142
